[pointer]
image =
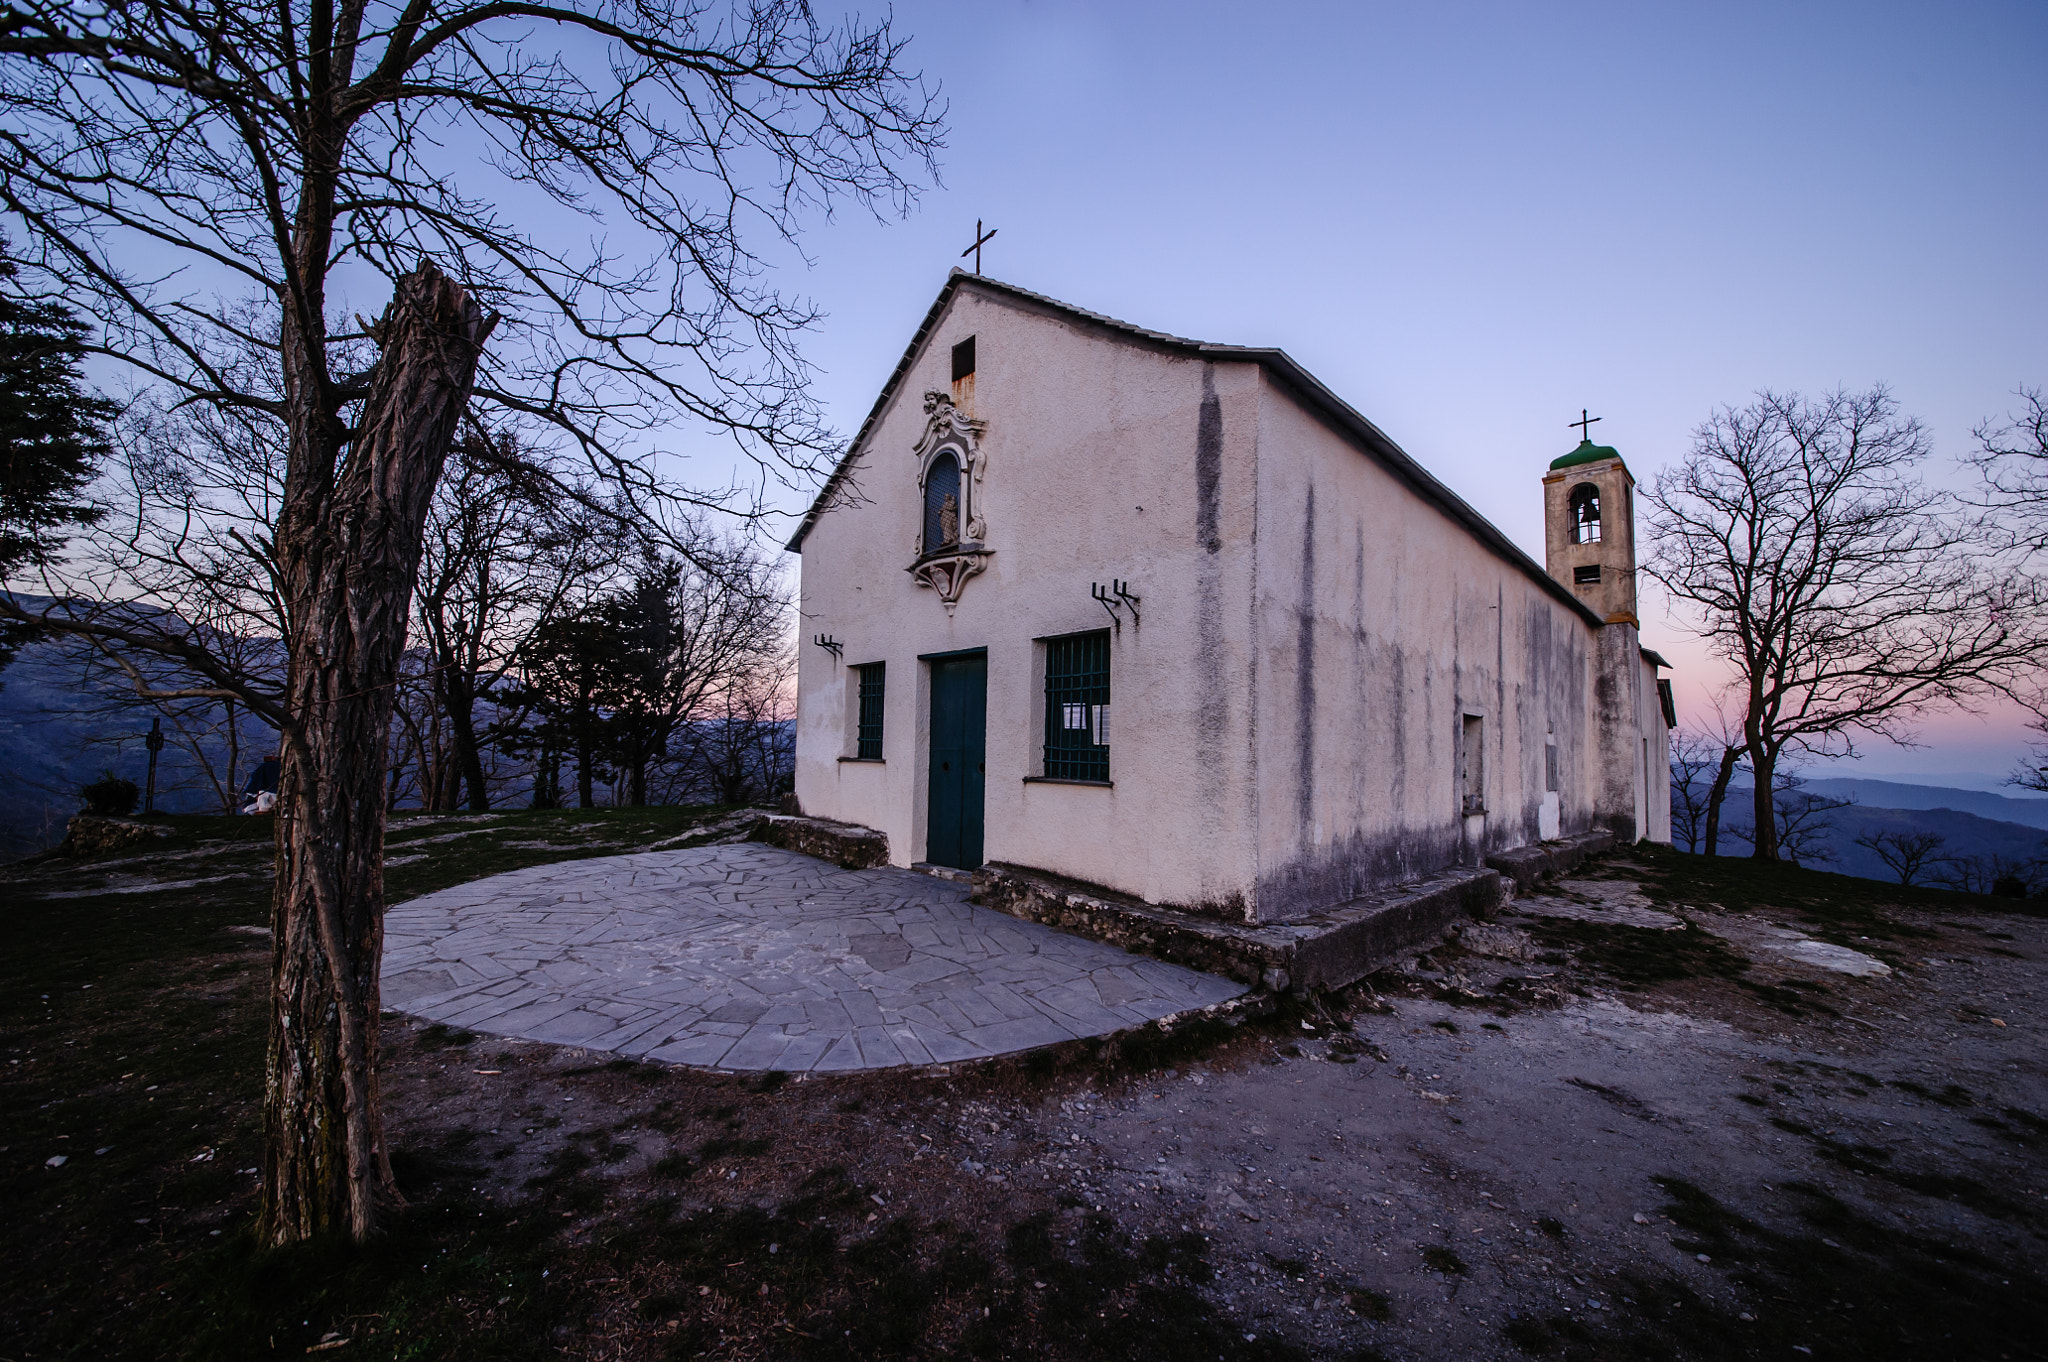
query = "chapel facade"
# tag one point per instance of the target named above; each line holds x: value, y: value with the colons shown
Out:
x: 1172, y: 619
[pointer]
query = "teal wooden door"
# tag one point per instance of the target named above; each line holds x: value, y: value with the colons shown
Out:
x: 958, y: 758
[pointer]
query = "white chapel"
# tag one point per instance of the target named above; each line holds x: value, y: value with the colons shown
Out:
x: 1171, y: 619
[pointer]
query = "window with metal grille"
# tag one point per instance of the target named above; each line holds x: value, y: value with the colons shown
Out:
x: 1077, y: 707
x: 870, y: 734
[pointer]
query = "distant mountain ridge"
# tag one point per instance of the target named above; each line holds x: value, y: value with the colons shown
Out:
x: 1947, y: 812
x: 1888, y: 794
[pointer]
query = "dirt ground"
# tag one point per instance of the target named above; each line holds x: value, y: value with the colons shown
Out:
x: 1560, y: 1135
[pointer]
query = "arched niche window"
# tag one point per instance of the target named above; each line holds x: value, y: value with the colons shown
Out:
x: 942, y: 503
x: 1585, y: 512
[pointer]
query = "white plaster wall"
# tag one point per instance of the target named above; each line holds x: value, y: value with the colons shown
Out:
x: 1286, y: 720
x: 1655, y: 739
x: 1092, y: 466
x: 1381, y: 623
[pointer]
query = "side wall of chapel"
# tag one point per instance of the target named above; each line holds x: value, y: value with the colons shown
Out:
x: 1386, y: 632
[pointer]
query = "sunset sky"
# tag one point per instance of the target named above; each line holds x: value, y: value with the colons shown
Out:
x: 1471, y: 220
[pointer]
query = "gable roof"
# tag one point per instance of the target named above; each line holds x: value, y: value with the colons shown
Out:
x: 1305, y: 387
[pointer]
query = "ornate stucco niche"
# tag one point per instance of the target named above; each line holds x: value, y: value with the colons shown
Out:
x: 946, y: 566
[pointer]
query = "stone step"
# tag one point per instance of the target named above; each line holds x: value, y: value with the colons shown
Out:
x: 1330, y: 950
x: 848, y: 844
x: 1528, y: 865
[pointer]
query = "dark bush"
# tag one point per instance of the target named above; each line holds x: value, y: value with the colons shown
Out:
x: 110, y: 795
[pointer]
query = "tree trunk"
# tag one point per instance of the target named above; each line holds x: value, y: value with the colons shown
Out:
x: 547, y: 778
x: 458, y: 698
x: 1764, y: 766
x: 636, y: 777
x: 1730, y: 757
x: 348, y: 546
x: 585, y: 797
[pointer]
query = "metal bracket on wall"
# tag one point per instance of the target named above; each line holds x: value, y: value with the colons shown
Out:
x: 1115, y: 594
x: 829, y: 644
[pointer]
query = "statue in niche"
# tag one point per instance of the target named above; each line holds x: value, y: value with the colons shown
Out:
x: 949, y: 520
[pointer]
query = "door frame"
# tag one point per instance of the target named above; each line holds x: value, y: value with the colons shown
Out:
x: 921, y: 829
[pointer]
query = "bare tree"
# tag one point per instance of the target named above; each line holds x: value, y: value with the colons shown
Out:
x: 1695, y: 806
x: 500, y: 557
x: 1847, y: 595
x: 685, y: 633
x: 160, y: 157
x: 1908, y: 855
x: 2007, y: 876
x: 1801, y: 822
x: 2011, y: 460
x: 742, y: 746
x: 1692, y: 756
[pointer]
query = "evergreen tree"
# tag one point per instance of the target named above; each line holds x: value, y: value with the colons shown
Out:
x: 52, y: 435
x: 52, y: 428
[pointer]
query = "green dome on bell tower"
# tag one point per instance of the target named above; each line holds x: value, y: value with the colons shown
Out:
x: 1587, y: 452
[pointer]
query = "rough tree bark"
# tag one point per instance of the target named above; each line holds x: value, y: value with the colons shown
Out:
x: 348, y: 548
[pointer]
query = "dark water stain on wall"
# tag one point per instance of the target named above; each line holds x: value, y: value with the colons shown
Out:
x: 1212, y: 703
x: 1305, y: 675
x: 1350, y: 867
x: 1213, y: 715
x: 1209, y: 466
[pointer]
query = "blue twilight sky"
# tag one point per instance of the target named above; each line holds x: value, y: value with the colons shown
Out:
x: 1471, y: 220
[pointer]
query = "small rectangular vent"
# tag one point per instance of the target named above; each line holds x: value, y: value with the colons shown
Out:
x: 963, y: 359
x: 1589, y: 575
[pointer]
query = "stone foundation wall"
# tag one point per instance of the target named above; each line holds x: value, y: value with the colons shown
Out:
x: 848, y: 844
x: 1329, y: 951
x: 90, y: 834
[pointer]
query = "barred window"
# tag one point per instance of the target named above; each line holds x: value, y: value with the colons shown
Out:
x: 872, y: 676
x: 1077, y: 706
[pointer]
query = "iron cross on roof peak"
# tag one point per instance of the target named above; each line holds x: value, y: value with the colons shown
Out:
x: 1585, y: 424
x: 981, y: 239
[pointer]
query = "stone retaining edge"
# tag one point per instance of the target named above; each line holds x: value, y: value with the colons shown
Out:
x: 1338, y: 948
x: 847, y: 844
x: 92, y: 834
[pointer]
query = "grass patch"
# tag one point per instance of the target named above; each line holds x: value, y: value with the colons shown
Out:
x: 1642, y: 957
x: 1850, y: 907
x: 137, y: 1022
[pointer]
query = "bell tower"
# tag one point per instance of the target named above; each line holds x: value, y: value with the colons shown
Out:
x: 1589, y: 517
x: 1589, y: 529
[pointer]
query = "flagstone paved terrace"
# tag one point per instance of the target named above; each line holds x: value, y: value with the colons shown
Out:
x: 752, y: 957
